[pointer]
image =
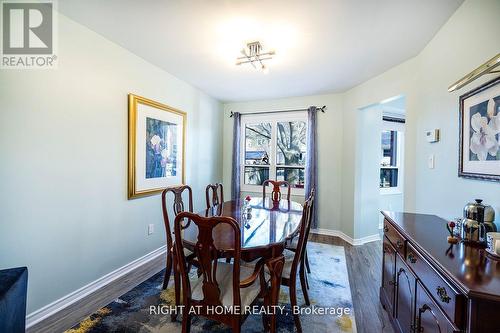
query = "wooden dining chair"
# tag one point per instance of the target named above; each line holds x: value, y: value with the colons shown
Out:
x: 178, y: 207
x: 214, y: 194
x: 294, y: 260
x: 292, y: 246
x: 218, y: 283
x: 276, y: 192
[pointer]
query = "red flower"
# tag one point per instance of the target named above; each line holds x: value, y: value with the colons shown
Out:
x: 452, y: 224
x: 248, y: 198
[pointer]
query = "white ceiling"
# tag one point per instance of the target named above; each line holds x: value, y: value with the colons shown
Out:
x: 321, y: 45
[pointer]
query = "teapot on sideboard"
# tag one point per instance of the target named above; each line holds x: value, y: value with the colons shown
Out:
x: 478, y: 220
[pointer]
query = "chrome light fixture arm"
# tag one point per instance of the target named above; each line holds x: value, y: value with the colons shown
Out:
x: 486, y: 68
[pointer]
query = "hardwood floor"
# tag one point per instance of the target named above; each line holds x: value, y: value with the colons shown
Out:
x: 364, y: 264
x: 76, y: 312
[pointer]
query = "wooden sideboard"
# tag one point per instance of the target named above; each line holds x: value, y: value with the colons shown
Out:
x: 429, y: 285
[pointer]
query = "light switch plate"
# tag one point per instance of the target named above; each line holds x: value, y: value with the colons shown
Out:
x: 430, y: 161
x: 151, y: 229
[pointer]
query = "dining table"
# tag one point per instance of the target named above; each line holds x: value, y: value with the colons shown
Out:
x: 265, y: 226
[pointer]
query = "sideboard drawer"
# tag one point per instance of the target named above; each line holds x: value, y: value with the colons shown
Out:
x: 397, y: 240
x: 429, y: 318
x: 448, y: 299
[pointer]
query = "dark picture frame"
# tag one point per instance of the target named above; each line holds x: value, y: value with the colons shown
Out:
x: 472, y: 163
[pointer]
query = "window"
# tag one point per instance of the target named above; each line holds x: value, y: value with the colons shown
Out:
x: 390, y: 163
x: 274, y: 147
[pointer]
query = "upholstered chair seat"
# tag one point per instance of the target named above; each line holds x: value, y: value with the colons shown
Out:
x: 187, y: 252
x: 293, y: 244
x: 287, y: 268
x: 225, y: 282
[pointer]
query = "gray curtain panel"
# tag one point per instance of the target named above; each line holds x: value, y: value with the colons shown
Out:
x: 312, y: 161
x: 236, y: 174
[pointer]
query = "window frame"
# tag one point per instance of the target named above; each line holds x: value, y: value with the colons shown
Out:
x: 400, y: 141
x: 273, y: 119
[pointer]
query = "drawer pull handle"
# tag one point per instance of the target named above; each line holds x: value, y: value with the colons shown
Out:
x: 412, y: 258
x: 421, y: 311
x: 386, y: 228
x: 399, y: 244
x: 441, y: 291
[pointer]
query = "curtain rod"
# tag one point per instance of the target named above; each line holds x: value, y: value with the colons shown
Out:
x: 318, y: 108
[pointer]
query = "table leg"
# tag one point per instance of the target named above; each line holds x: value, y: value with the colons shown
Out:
x: 275, y: 267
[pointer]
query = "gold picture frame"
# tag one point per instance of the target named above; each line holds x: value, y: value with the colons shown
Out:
x: 153, y: 163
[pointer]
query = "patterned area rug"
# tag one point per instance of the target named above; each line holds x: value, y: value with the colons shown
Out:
x: 329, y: 292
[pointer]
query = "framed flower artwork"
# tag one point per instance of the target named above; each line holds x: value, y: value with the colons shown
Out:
x: 479, y: 152
x: 155, y: 146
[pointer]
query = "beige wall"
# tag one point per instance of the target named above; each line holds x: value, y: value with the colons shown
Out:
x: 64, y: 211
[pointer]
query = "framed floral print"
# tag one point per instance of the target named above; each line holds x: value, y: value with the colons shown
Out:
x: 479, y: 152
x: 155, y: 146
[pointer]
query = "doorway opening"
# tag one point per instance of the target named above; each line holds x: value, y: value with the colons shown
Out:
x: 392, y: 139
x: 379, y: 180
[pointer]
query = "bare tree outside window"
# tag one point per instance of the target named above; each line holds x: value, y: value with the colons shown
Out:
x: 257, y: 150
x: 290, y: 152
x: 291, y: 144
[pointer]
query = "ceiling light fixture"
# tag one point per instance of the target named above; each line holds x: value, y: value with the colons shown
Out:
x: 254, y: 55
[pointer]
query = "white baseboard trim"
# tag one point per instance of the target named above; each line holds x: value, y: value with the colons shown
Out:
x: 348, y: 239
x: 56, y: 306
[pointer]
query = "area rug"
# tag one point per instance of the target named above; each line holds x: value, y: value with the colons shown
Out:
x: 331, y: 308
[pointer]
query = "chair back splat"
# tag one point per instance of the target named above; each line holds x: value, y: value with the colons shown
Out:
x: 214, y: 194
x: 177, y: 206
x: 276, y: 195
x: 208, y: 255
